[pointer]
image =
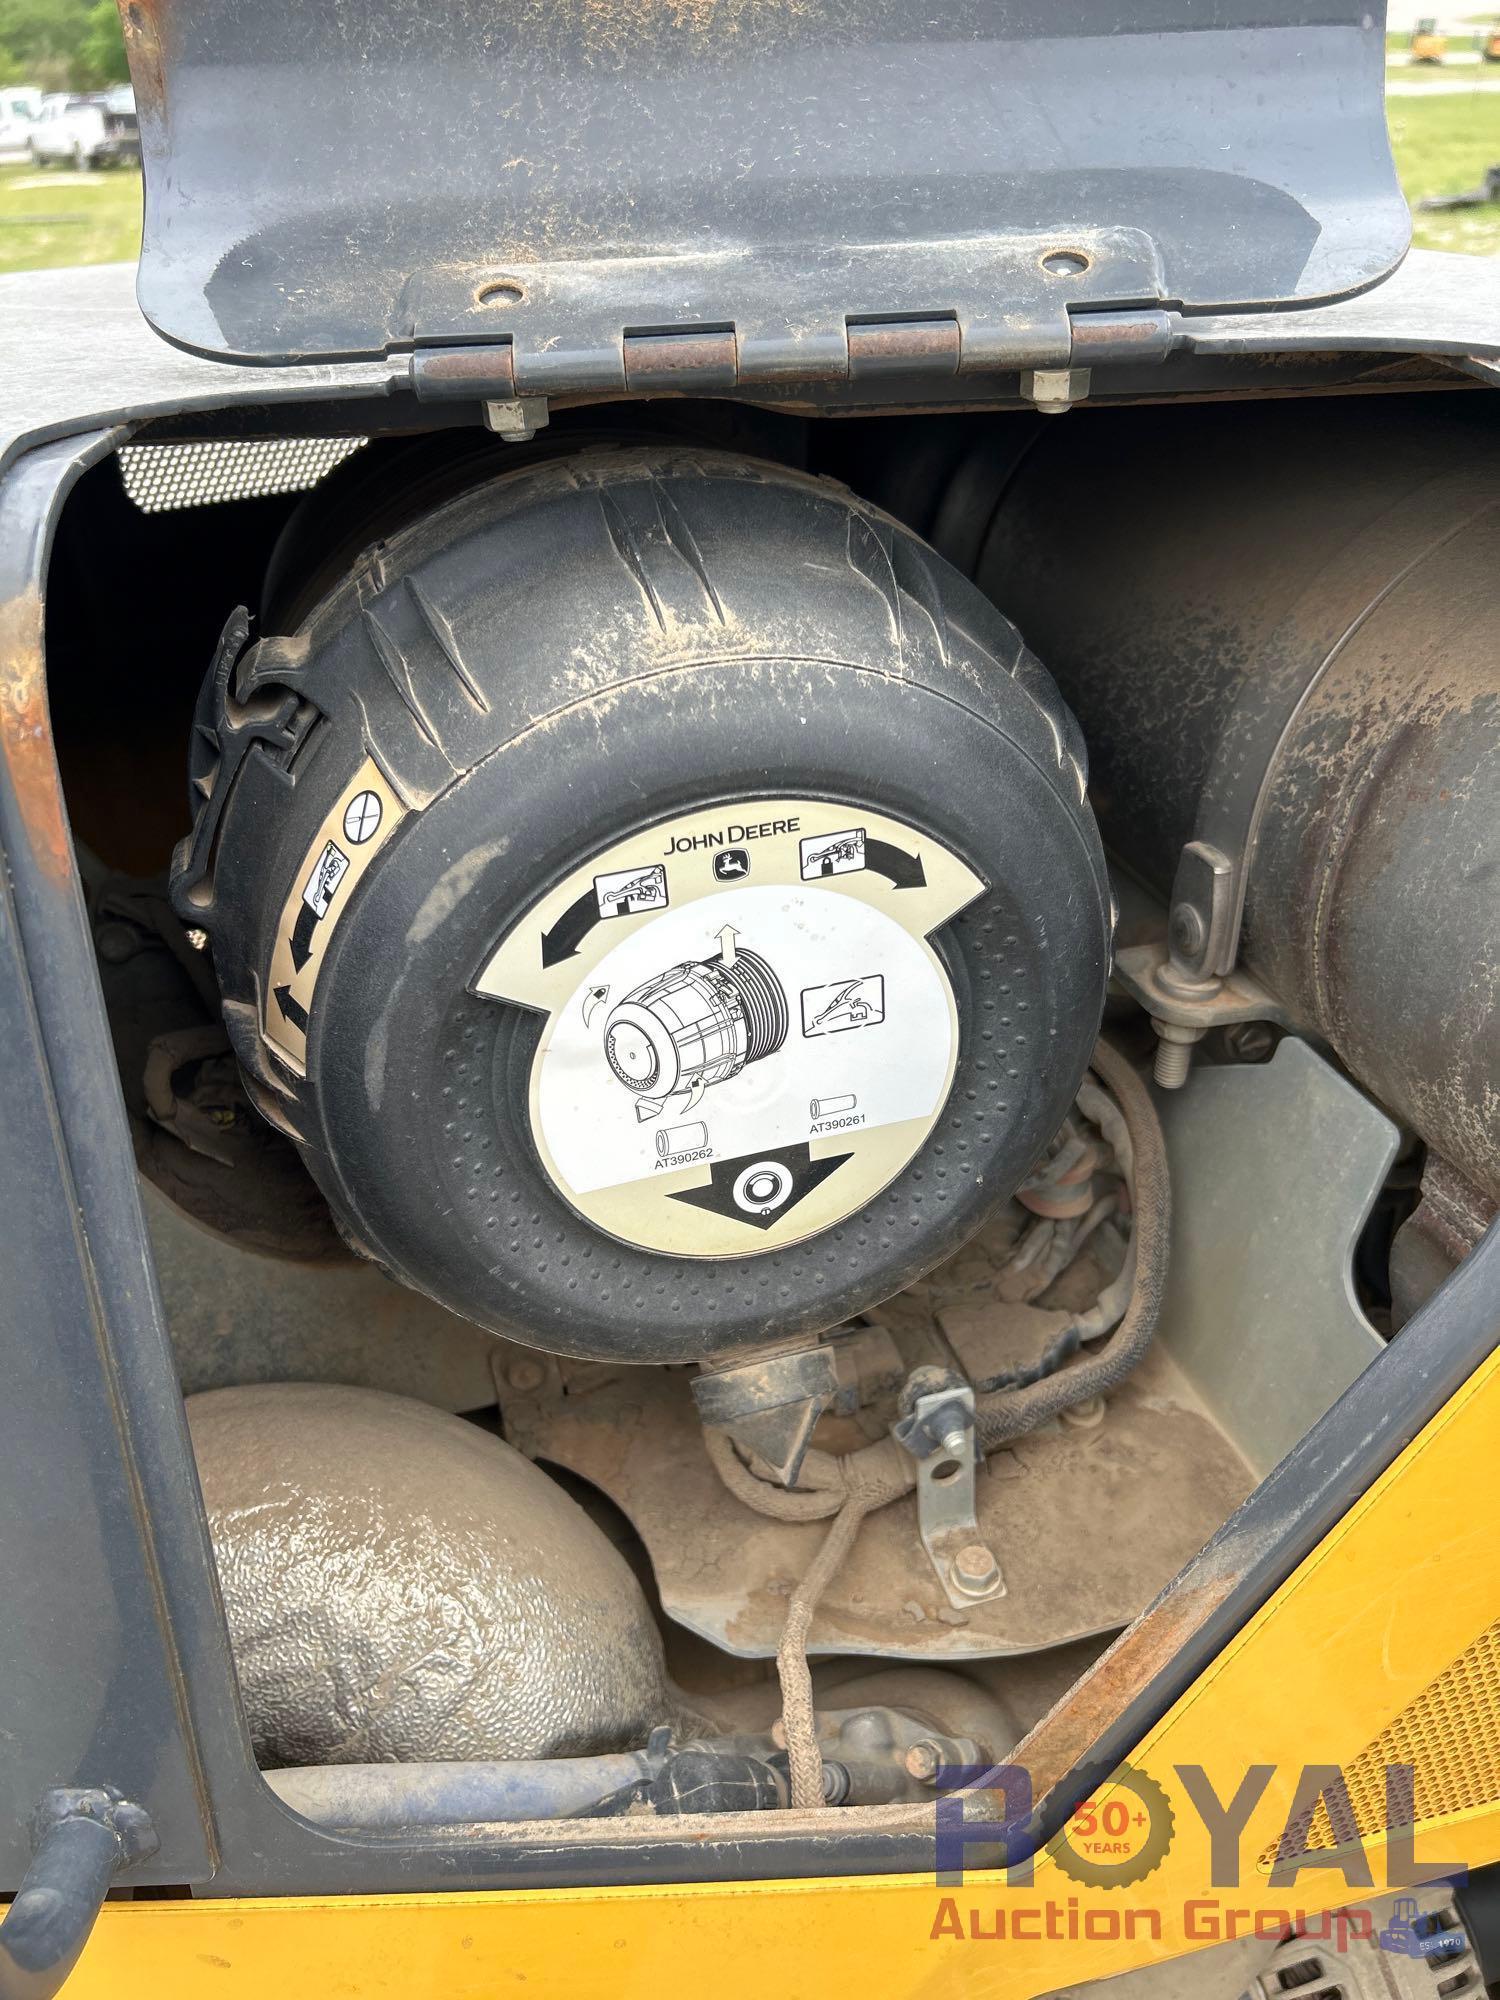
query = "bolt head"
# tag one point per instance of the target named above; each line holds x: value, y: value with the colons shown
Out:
x: 922, y: 1761
x: 526, y: 1375
x: 1085, y: 1416
x: 1186, y: 932
x: 975, y: 1567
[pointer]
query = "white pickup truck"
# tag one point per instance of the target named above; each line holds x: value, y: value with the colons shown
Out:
x: 19, y: 105
x: 86, y: 128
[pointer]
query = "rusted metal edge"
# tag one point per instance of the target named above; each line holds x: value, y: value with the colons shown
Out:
x: 465, y: 374
x: 693, y: 361
x: 57, y: 967
x: 903, y: 347
x: 31, y: 499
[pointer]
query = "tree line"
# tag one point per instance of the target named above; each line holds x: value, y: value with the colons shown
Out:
x: 61, y: 44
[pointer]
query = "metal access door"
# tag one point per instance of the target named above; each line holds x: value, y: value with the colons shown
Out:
x: 327, y: 181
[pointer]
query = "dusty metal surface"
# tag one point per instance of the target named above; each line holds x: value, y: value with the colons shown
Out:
x: 1294, y: 642
x: 1372, y: 901
x: 563, y: 175
x: 962, y: 1560
x: 1066, y: 1740
x: 1274, y: 1169
x: 1088, y: 1523
x: 1139, y: 969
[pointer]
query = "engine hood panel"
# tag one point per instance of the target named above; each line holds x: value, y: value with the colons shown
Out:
x: 341, y: 181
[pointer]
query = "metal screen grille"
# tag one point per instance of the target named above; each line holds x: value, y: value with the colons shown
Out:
x: 159, y: 477
x: 1450, y: 1735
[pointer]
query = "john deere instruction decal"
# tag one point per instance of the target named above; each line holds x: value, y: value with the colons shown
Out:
x: 357, y: 826
x: 748, y: 1032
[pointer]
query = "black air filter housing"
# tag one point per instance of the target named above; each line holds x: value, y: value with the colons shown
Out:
x: 659, y: 896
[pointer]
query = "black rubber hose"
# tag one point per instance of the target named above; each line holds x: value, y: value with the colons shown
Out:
x: 372, y: 1796
x: 49, y: 1920
x: 999, y: 1418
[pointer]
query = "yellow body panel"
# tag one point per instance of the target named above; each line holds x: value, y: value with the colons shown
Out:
x: 1406, y: 1584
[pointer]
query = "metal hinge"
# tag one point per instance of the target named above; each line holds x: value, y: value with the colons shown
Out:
x: 1099, y: 339
x: 464, y: 374
x: 1113, y: 338
x: 1054, y: 359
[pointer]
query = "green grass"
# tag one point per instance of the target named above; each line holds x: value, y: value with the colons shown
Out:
x: 51, y: 216
x: 1485, y: 72
x: 1443, y: 145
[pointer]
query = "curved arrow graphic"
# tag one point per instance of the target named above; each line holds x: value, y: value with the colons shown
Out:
x: 570, y: 930
x: 902, y: 870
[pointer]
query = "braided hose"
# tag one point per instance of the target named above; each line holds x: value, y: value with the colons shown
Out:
x: 799, y: 1722
x: 883, y: 1470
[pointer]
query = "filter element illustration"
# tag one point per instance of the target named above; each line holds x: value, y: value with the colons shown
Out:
x: 676, y: 1140
x: 693, y: 1025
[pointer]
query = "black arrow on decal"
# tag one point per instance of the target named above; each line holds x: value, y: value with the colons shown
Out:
x: 904, y: 870
x: 570, y: 930
x: 803, y: 1174
x: 302, y: 935
x: 294, y: 1010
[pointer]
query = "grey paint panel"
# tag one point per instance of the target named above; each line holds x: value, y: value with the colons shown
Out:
x: 1274, y: 1169
x: 100, y: 1512
x: 339, y: 181
x: 76, y: 353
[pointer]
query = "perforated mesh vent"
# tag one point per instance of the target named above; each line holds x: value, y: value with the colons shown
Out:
x: 1450, y: 1735
x: 159, y: 477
